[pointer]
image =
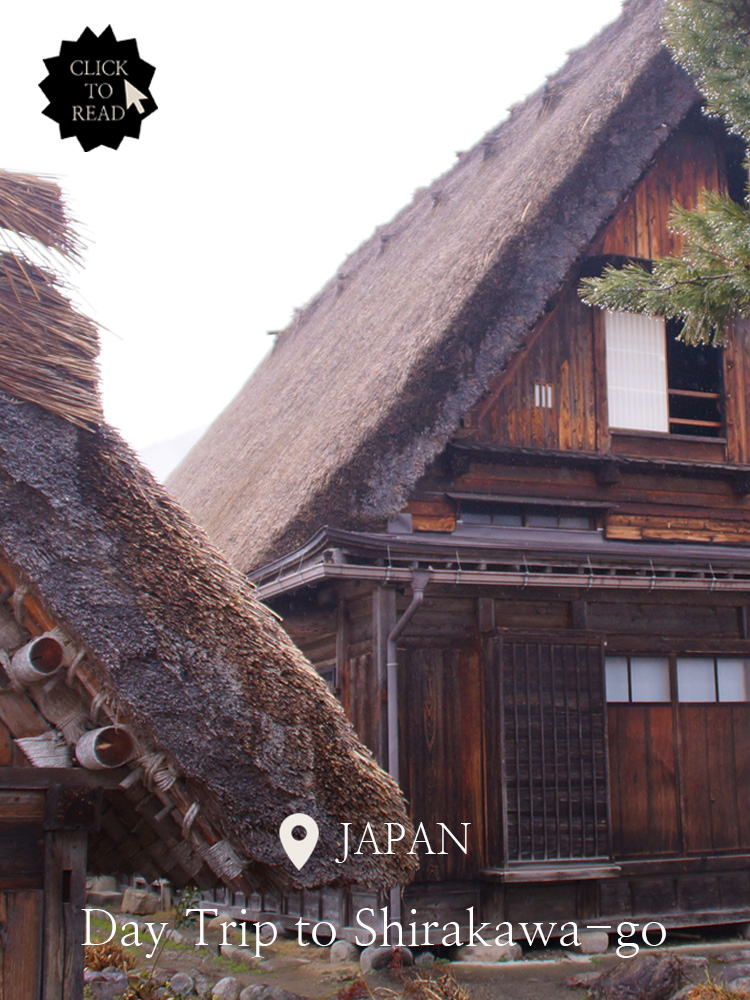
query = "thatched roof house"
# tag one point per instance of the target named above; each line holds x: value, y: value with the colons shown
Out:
x: 232, y: 730
x: 521, y: 523
x: 372, y: 377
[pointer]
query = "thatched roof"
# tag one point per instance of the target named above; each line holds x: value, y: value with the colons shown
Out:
x: 234, y: 725
x: 370, y: 380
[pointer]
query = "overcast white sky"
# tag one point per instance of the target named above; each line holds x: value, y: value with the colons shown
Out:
x: 285, y: 133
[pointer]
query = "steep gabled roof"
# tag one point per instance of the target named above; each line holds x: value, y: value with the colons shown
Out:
x: 163, y: 634
x: 372, y: 377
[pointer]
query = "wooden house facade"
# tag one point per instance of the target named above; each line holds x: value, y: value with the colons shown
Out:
x: 512, y: 531
x: 154, y: 717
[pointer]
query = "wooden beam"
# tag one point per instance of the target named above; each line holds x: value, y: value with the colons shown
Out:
x: 511, y: 455
x: 44, y: 777
x: 560, y: 872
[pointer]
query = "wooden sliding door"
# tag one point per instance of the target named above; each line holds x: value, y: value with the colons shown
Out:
x: 547, y: 752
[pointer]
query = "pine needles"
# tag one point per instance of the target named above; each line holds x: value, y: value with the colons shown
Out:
x: 708, y: 284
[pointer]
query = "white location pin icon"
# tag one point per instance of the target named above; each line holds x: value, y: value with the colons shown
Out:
x: 299, y: 851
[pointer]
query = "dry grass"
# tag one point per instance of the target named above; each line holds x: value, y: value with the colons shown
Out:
x: 413, y: 987
x: 443, y: 987
x: 33, y: 207
x: 714, y: 991
x: 102, y: 956
x: 48, y: 350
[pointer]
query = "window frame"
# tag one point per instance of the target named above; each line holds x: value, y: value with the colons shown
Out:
x: 673, y: 661
x: 717, y: 434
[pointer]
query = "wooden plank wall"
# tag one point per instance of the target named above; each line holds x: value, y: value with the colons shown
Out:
x: 21, y: 895
x: 562, y: 357
x: 561, y: 351
x: 21, y: 921
x: 690, y: 161
x: 643, y: 780
x: 714, y: 753
x: 640, y: 505
x: 440, y: 695
x: 689, y: 795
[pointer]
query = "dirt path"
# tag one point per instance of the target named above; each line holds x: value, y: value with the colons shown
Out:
x: 308, y: 972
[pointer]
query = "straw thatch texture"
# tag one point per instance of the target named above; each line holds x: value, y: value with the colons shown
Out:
x: 32, y: 207
x: 184, y: 650
x: 56, y: 366
x: 368, y: 383
x: 181, y: 649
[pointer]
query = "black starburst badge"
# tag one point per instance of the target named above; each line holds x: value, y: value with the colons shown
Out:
x: 98, y: 89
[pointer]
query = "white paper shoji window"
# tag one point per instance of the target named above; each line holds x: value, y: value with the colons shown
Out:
x: 636, y: 372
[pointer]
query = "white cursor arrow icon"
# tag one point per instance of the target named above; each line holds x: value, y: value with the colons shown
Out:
x: 134, y: 96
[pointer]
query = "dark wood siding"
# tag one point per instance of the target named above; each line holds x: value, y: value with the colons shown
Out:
x: 714, y: 748
x: 21, y: 920
x: 360, y: 696
x: 442, y: 753
x: 692, y: 160
x: 679, y: 777
x: 562, y: 357
x: 643, y: 779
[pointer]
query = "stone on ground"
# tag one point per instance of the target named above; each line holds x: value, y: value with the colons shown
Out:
x: 593, y: 942
x: 425, y: 958
x: 182, y: 984
x: 489, y: 953
x: 236, y: 954
x: 581, y: 980
x: 227, y: 988
x: 202, y: 985
x: 382, y: 957
x: 344, y: 951
x: 652, y: 977
x: 216, y: 923
x: 263, y: 992
x: 106, y: 985
x: 139, y: 901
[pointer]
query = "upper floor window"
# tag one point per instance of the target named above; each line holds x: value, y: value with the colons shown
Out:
x: 510, y: 515
x: 657, y: 383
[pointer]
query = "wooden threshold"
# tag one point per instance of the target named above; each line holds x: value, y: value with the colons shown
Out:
x: 552, y: 873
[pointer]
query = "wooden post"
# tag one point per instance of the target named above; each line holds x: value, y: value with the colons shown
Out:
x: 64, y: 899
x: 69, y: 814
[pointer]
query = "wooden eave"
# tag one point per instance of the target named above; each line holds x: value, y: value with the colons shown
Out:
x: 171, y: 813
x: 506, y: 557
